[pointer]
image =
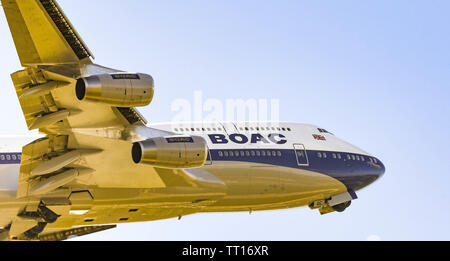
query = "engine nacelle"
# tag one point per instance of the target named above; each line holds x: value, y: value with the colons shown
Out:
x: 175, y: 152
x: 117, y: 89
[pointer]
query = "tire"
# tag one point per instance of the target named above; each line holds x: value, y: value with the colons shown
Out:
x: 342, y: 207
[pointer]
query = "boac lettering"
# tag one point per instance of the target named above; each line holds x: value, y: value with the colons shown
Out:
x: 279, y: 139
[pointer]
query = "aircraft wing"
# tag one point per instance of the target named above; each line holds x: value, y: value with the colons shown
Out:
x: 78, y: 135
x: 67, y: 163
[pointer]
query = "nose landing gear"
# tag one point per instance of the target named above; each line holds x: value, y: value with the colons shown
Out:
x: 338, y: 203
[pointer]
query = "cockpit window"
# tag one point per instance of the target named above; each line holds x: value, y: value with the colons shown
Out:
x: 324, y: 131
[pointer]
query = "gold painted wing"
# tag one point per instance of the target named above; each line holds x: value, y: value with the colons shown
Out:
x: 85, y: 144
x: 85, y: 147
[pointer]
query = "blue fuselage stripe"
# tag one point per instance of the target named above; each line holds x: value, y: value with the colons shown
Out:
x: 355, y: 174
x: 10, y: 158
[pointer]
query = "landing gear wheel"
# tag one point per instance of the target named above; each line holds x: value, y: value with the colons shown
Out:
x: 342, y: 207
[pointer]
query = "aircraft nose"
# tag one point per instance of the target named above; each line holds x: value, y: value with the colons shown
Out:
x: 363, y: 175
x: 374, y: 171
x: 380, y: 169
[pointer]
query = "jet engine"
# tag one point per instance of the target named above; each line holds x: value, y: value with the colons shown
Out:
x: 118, y: 89
x: 175, y: 152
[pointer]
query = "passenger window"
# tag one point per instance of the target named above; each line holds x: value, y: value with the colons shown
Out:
x: 334, y: 156
x: 14, y: 157
x: 247, y: 153
x: 252, y: 153
x: 274, y: 153
x: 220, y: 154
x: 348, y: 157
x: 8, y: 157
x: 279, y: 154
x: 242, y: 154
x: 231, y: 154
x: 263, y: 153
x: 363, y: 159
x: 325, y: 155
x: 258, y: 153
x: 339, y: 156
x: 2, y: 157
x: 319, y: 155
x: 353, y: 157
x: 226, y: 153
x: 19, y: 157
x: 375, y: 160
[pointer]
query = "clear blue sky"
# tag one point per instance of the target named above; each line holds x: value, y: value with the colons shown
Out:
x: 375, y: 73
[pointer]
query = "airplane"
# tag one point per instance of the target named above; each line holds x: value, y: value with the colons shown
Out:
x: 97, y: 162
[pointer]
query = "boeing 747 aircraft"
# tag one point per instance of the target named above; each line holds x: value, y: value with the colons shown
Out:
x: 98, y: 163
